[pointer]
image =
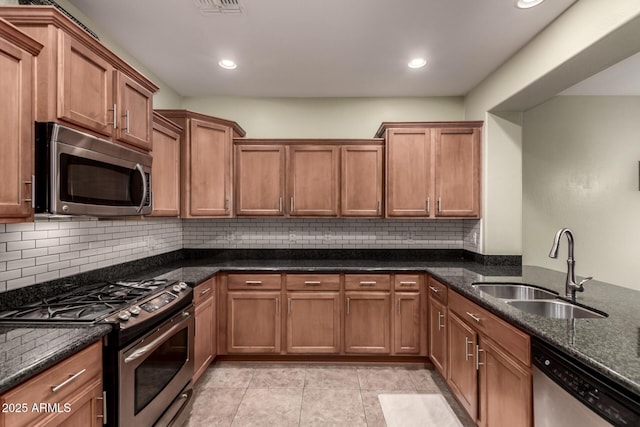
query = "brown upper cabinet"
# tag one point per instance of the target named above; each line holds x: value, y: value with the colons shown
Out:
x: 433, y: 169
x: 82, y: 84
x: 309, y: 178
x: 165, y: 170
x: 205, y: 163
x: 17, y: 74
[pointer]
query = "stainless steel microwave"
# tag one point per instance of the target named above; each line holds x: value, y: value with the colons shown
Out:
x: 79, y: 174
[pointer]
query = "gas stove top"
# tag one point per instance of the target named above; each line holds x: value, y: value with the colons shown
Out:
x: 86, y: 304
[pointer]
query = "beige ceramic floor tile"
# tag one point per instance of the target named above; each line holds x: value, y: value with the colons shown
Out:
x: 269, y: 407
x: 215, y: 406
x: 280, y: 377
x: 323, y: 407
x: 332, y: 377
x: 395, y: 379
x: 228, y: 377
x: 423, y: 380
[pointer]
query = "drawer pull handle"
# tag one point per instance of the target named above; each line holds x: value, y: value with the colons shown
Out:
x: 348, y: 301
x: 253, y: 282
x: 71, y: 378
x: 408, y: 283
x: 474, y: 317
x: 440, y: 317
x: 478, y: 364
x: 312, y: 282
x: 205, y: 291
x: 467, y: 355
x: 434, y: 289
x: 368, y: 283
x: 277, y: 306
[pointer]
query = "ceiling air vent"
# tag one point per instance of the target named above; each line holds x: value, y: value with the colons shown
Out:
x: 209, y: 7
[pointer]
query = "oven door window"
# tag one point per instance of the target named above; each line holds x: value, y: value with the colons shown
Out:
x: 159, y: 368
x: 89, y: 181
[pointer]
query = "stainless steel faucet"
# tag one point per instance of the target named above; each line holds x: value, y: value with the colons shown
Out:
x: 571, y: 287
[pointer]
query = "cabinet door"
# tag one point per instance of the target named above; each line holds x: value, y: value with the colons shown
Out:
x: 209, y: 169
x: 134, y: 112
x: 457, y: 172
x: 361, y: 185
x: 408, y: 172
x: 406, y: 337
x: 438, y: 335
x: 313, y: 322
x: 260, y: 180
x: 165, y: 171
x: 253, y: 322
x: 85, y: 87
x: 203, y: 340
x: 367, y: 322
x: 86, y: 408
x: 16, y: 135
x: 463, y: 378
x: 505, y: 388
x: 313, y: 180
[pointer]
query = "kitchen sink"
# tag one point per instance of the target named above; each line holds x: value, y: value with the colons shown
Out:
x: 556, y: 309
x: 514, y: 291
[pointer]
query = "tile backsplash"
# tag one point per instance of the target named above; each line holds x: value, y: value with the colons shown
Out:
x: 50, y: 249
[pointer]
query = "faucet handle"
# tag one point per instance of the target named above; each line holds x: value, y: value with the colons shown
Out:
x: 582, y: 282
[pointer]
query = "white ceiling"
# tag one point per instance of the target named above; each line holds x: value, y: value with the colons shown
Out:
x: 328, y: 48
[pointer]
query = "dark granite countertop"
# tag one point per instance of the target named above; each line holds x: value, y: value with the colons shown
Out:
x: 610, y: 345
x: 27, y: 351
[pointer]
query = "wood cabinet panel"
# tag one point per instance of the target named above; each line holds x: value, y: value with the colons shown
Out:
x: 505, y: 389
x: 313, y: 282
x: 362, y: 181
x: 165, y: 170
x: 209, y: 169
x: 408, y: 172
x: 462, y: 375
x: 85, y: 87
x: 367, y: 282
x: 457, y: 172
x: 254, y: 281
x: 407, y: 323
x: 313, y: 322
x: 407, y: 282
x: 253, y: 322
x: 86, y: 387
x: 205, y: 321
x: 438, y: 335
x: 135, y: 110
x: 438, y: 290
x: 17, y: 72
x: 260, y: 180
x: 367, y: 322
x: 313, y: 180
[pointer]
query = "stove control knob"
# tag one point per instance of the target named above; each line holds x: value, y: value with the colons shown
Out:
x: 176, y: 288
x: 135, y: 310
x: 123, y: 316
x: 183, y: 285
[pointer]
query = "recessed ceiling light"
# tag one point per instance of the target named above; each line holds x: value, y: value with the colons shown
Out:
x: 227, y: 64
x: 417, y: 63
x: 526, y: 4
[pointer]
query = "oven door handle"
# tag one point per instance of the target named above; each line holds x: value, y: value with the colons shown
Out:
x: 145, y: 187
x: 153, y: 344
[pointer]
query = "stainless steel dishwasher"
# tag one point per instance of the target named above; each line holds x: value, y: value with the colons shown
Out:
x: 569, y: 394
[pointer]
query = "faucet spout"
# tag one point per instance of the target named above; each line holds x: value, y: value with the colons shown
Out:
x: 571, y: 287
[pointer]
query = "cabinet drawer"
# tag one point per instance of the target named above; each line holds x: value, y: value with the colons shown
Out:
x: 367, y: 282
x: 203, y: 292
x: 407, y: 282
x: 313, y: 282
x: 254, y: 281
x: 507, y: 336
x: 438, y: 290
x: 66, y: 378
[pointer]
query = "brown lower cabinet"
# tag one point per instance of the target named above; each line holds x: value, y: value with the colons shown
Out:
x: 489, y: 366
x: 205, y: 329
x: 253, y: 322
x: 313, y: 322
x: 367, y: 322
x: 82, y: 395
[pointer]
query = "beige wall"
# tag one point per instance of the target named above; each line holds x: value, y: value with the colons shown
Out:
x: 580, y: 170
x: 324, y: 117
x: 166, y: 97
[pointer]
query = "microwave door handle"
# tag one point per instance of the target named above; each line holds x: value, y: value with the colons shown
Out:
x: 145, y: 187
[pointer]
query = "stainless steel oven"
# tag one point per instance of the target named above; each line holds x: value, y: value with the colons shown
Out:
x: 79, y: 174
x: 155, y: 371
